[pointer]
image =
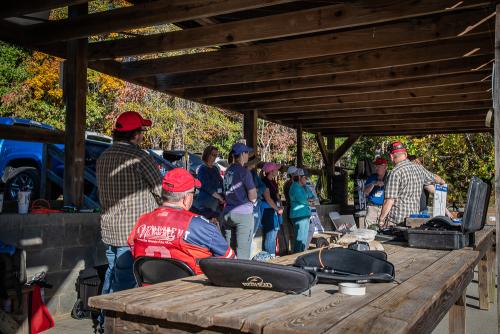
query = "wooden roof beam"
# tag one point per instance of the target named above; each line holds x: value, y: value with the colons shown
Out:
x: 421, y: 132
x: 141, y: 15
x: 333, y: 104
x: 395, y: 120
x: 468, y: 82
x: 367, y: 118
x: 431, y: 71
x: 412, y: 31
x: 383, y: 111
x: 438, y: 124
x: 338, y: 16
x: 12, y: 8
x: 365, y: 60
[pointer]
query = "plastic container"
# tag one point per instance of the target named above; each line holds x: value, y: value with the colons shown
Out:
x: 352, y: 289
x: 23, y: 201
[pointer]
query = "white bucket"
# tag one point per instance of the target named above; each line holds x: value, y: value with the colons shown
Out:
x: 23, y: 201
x: 1, y: 202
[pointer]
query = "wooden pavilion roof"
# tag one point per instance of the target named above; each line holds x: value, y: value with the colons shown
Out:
x: 332, y: 67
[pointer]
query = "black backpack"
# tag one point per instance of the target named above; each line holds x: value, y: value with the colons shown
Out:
x: 12, y: 272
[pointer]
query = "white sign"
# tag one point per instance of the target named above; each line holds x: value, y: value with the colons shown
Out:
x: 439, y: 205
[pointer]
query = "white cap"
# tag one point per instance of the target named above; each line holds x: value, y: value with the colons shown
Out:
x: 300, y: 172
x: 292, y: 170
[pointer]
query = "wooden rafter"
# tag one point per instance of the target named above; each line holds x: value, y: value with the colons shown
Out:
x: 395, y: 75
x: 380, y: 112
x: 11, y: 8
x: 420, y: 132
x: 443, y: 100
x: 367, y: 117
x: 138, y: 16
x: 397, y: 120
x: 339, y: 16
x: 463, y: 83
x: 438, y: 124
x: 417, y: 30
x: 365, y: 60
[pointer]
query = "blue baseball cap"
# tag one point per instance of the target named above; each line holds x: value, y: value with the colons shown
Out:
x: 239, y: 148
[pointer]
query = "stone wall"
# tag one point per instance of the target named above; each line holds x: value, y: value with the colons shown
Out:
x: 61, y: 244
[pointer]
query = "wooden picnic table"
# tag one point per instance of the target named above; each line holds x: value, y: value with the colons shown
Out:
x: 432, y: 282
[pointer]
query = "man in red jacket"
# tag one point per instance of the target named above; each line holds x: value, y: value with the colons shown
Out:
x: 172, y: 231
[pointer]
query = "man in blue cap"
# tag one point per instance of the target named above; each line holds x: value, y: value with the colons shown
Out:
x: 241, y: 195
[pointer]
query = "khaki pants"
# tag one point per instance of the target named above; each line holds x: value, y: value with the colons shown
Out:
x: 372, y: 215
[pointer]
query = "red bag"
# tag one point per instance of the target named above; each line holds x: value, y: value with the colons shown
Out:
x: 42, y: 206
x: 40, y: 317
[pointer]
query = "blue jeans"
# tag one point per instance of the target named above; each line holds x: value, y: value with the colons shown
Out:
x: 120, y: 273
x: 301, y: 234
x: 269, y: 230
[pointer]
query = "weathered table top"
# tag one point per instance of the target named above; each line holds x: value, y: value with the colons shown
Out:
x: 431, y: 282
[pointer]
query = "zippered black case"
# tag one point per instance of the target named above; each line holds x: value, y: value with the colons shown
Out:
x: 347, y: 265
x: 248, y: 274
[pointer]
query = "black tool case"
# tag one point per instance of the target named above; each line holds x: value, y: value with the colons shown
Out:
x: 439, y: 233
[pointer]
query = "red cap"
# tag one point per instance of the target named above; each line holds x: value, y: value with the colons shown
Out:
x: 396, y: 147
x: 178, y: 180
x: 129, y: 121
x: 380, y: 161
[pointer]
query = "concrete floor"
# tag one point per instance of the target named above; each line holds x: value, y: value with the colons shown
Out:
x: 477, y: 321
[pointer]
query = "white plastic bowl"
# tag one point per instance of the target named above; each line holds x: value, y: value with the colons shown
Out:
x: 352, y: 289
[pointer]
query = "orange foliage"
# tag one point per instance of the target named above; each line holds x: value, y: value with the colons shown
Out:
x: 44, y: 83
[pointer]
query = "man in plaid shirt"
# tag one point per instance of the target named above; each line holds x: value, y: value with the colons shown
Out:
x: 129, y: 183
x: 404, y: 187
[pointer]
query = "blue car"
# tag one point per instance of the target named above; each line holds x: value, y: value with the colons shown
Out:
x: 23, y: 161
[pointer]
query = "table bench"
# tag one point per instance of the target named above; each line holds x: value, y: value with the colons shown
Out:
x: 432, y: 282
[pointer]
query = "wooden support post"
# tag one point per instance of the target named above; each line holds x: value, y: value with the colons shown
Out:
x: 75, y: 93
x: 322, y: 148
x: 483, y: 283
x: 346, y: 145
x: 250, y: 119
x: 300, y: 146
x: 491, y: 274
x: 457, y: 316
x: 330, y: 148
x: 496, y: 107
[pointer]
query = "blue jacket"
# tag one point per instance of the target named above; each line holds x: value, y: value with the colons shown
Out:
x: 299, y: 205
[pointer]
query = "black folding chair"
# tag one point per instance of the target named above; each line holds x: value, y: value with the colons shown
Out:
x: 152, y: 270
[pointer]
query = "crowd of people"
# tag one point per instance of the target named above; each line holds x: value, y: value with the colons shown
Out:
x: 391, y: 197
x: 186, y: 218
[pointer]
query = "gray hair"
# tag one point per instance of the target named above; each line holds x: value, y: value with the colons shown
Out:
x: 399, y: 154
x: 170, y: 196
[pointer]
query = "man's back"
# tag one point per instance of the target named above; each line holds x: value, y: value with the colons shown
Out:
x: 129, y: 185
x: 175, y: 233
x: 405, y: 185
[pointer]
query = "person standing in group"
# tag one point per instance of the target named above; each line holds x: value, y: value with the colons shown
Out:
x: 300, y: 211
x: 241, y: 195
x: 272, y: 211
x: 210, y: 193
x: 129, y: 184
x: 260, y: 186
x: 291, y: 172
x: 374, y: 191
x: 404, y: 187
